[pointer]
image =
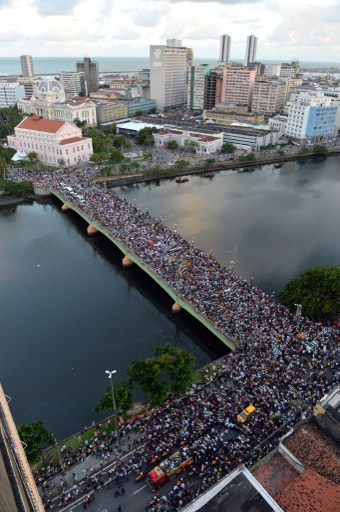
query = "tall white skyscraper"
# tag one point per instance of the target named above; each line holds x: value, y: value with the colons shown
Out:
x: 27, y: 68
x: 251, y: 50
x: 225, y: 44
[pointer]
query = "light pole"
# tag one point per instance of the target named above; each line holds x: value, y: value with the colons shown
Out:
x: 113, y: 400
x: 298, y: 312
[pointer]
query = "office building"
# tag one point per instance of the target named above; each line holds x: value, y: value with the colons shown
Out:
x: 268, y: 96
x: 291, y: 70
x: 272, y: 69
x: 225, y: 45
x: 73, y: 83
x: 10, y: 92
x: 27, y: 68
x: 213, y: 88
x: 312, y: 117
x: 30, y: 85
x: 168, y: 75
x: 237, y: 85
x: 196, y: 86
x: 251, y: 50
x: 91, y: 73
x: 109, y: 111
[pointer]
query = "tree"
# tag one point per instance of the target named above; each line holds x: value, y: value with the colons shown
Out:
x: 7, y: 153
x: 147, y: 375
x: 9, y: 118
x: 124, y: 398
x: 317, y: 290
x: 181, y: 163
x: 116, y: 156
x: 79, y: 123
x: 179, y: 366
x: 227, y: 147
x: 61, y: 162
x: 97, y: 157
x: 319, y: 149
x: 210, y: 161
x: 191, y: 145
x: 119, y: 142
x: 248, y: 158
x: 35, y: 436
x: 145, y: 136
x: 32, y: 155
x: 172, y: 144
x: 3, y: 168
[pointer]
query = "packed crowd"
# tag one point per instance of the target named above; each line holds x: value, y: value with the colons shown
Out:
x: 273, y: 368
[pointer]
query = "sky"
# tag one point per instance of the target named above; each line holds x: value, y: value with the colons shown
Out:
x: 286, y: 29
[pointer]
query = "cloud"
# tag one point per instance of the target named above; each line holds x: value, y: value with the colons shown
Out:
x: 55, y: 7
x: 223, y: 2
x: 148, y: 17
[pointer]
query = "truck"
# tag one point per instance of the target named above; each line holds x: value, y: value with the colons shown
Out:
x: 173, y: 465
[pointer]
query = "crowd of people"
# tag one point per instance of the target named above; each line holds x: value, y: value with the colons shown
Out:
x: 273, y: 367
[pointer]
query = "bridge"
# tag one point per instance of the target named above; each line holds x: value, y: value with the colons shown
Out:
x: 130, y: 258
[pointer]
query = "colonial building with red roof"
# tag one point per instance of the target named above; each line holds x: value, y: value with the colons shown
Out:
x: 204, y: 144
x: 55, y: 142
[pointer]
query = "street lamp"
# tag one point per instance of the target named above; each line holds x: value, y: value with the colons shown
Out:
x: 298, y: 312
x: 113, y: 400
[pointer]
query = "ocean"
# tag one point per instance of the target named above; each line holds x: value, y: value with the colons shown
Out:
x: 54, y: 65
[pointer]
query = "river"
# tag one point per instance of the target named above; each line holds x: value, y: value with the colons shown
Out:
x: 69, y: 311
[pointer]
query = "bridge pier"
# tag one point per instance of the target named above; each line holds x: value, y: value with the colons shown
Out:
x: 127, y: 262
x: 176, y: 308
x: 91, y: 230
x: 65, y: 208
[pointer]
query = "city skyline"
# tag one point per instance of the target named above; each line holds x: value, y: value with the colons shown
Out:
x: 284, y: 29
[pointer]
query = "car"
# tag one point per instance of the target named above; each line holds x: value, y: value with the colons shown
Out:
x: 246, y: 413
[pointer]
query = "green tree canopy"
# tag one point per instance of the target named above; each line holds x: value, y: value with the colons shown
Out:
x: 227, y: 147
x: 319, y: 149
x: 317, y: 290
x: 32, y: 155
x: 124, y: 398
x: 172, y: 144
x: 147, y: 375
x: 145, y: 136
x: 116, y: 156
x: 181, y: 163
x: 10, y: 117
x: 179, y: 366
x: 6, y: 153
x: 35, y: 436
x: 120, y: 142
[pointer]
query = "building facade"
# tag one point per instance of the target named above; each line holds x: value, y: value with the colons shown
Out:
x: 108, y: 111
x: 91, y: 74
x: 30, y: 86
x: 268, y: 96
x: 27, y: 68
x: 196, y: 86
x: 54, y: 142
x: 51, y: 103
x: 225, y: 46
x: 10, y: 92
x: 228, y: 114
x: 238, y: 85
x: 272, y: 69
x: 311, y: 117
x: 251, y: 48
x: 168, y: 76
x: 205, y: 144
x: 73, y: 82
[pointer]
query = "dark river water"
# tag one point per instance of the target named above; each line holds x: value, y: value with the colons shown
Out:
x: 68, y: 311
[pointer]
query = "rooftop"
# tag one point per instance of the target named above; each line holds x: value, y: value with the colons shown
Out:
x: 275, y: 474
x: 71, y: 140
x: 40, y: 124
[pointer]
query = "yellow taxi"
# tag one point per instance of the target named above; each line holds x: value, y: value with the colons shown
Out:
x: 246, y: 413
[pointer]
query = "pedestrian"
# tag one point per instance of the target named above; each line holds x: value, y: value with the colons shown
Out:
x: 119, y: 508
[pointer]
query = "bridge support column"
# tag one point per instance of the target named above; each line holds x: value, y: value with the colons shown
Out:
x: 127, y: 262
x: 91, y: 230
x: 176, y: 308
x: 65, y: 208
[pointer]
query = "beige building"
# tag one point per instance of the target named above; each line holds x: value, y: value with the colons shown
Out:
x: 50, y: 103
x: 227, y: 114
x: 268, y: 96
x: 111, y: 111
x: 168, y: 74
x: 237, y: 85
x: 53, y: 141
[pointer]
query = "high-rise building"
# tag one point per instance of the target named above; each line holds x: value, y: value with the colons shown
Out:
x: 168, y: 75
x: 30, y: 85
x: 225, y: 44
x: 311, y: 116
x: 196, y: 86
x: 73, y: 82
x: 251, y: 50
x: 237, y: 85
x: 27, y: 68
x: 268, y: 96
x: 10, y: 92
x: 91, y: 72
x: 213, y: 88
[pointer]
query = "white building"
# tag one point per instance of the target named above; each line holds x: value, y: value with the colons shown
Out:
x: 73, y: 82
x: 51, y: 103
x: 272, y: 69
x: 10, y: 92
x: 206, y: 143
x: 53, y: 141
x: 168, y: 75
x: 225, y: 45
x: 312, y: 116
x: 27, y: 68
x: 251, y: 50
x: 278, y: 123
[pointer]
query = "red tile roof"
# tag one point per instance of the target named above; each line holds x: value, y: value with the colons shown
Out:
x: 40, y: 124
x: 275, y: 474
x: 316, y: 451
x: 72, y: 139
x: 310, y: 492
